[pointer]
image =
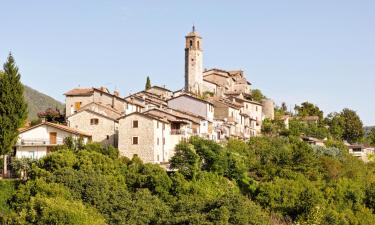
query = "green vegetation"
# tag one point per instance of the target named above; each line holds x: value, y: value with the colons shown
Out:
x: 308, y: 109
x: 148, y: 83
x: 13, y: 108
x: 268, y: 180
x: 346, y: 125
x: 257, y: 95
x: 7, y: 188
x: 38, y: 102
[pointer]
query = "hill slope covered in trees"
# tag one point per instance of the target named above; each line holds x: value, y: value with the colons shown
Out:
x: 38, y: 102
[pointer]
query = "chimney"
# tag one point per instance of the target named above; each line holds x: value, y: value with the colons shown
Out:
x: 104, y: 89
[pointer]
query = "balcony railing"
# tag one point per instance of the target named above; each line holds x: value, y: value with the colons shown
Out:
x: 177, y: 132
x: 39, y: 142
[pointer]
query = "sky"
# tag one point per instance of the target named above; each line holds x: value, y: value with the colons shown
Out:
x: 294, y: 51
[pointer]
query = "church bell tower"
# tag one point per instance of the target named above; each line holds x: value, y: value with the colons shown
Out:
x: 193, y: 63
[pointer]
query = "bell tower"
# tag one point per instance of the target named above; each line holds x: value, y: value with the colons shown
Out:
x: 193, y: 63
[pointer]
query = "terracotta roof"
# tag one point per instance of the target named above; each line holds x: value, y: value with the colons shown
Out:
x: 58, y: 126
x: 226, y: 102
x: 208, y: 81
x: 249, y: 101
x: 90, y: 91
x: 164, y: 115
x: 161, y: 88
x: 145, y: 115
x: 108, y: 110
x: 179, y: 115
x: 80, y: 92
x: 132, y: 101
x: 192, y: 97
x: 113, y: 117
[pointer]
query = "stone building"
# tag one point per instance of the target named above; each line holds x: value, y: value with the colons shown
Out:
x: 99, y: 121
x: 76, y: 98
x: 148, y: 137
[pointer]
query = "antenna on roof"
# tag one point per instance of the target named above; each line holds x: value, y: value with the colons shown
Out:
x: 193, y: 27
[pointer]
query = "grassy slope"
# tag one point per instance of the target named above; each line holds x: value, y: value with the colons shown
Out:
x: 38, y: 102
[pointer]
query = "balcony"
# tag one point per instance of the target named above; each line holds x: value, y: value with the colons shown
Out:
x: 178, y: 132
x: 185, y: 131
x: 39, y: 142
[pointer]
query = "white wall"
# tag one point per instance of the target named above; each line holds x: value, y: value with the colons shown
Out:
x: 191, y: 105
x: 32, y: 152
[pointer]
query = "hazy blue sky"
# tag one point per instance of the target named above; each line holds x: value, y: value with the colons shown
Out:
x: 321, y: 51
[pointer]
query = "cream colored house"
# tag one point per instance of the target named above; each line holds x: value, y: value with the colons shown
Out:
x: 360, y: 151
x: 149, y: 137
x: 103, y: 128
x: 189, y: 103
x: 205, y: 109
x: 253, y: 110
x: 35, y: 142
x: 76, y: 98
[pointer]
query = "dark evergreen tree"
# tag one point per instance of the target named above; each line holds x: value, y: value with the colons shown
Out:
x: 148, y: 83
x: 13, y: 108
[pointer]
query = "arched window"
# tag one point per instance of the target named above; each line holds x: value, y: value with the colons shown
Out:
x: 198, y: 44
x: 191, y: 43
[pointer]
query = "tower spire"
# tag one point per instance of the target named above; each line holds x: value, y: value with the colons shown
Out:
x: 193, y: 27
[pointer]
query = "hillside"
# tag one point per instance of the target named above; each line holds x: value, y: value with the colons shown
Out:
x: 38, y: 102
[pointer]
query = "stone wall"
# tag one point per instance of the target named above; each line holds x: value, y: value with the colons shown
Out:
x: 104, y: 132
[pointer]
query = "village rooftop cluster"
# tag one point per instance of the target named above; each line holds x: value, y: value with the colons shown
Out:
x: 215, y: 104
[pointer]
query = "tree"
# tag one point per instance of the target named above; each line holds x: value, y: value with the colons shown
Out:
x: 308, y: 109
x: 13, y: 108
x: 336, y: 125
x: 353, y: 126
x: 148, y: 83
x: 52, y: 115
x: 257, y: 95
x: 371, y: 136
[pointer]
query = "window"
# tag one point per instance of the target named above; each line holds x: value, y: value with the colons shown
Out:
x: 107, y: 137
x: 94, y: 121
x: 135, y: 123
x: 198, y: 44
x: 158, y: 158
x: 135, y: 140
x: 163, y: 141
x: 191, y: 43
x: 157, y: 141
x: 157, y: 124
x: 163, y: 126
x: 77, y: 105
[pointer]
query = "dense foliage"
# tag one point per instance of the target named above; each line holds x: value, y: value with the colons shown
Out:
x: 13, y: 108
x: 345, y: 125
x: 269, y: 180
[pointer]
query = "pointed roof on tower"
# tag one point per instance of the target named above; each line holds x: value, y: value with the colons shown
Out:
x: 193, y: 33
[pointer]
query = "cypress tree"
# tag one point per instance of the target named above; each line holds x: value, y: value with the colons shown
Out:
x: 148, y: 83
x: 13, y: 108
